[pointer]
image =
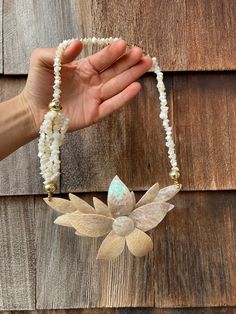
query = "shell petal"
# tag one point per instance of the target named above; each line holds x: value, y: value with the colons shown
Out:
x: 167, y: 193
x: 120, y: 200
x: 61, y: 205
x: 101, y: 208
x: 139, y: 243
x: 149, y: 216
x: 111, y: 247
x: 81, y: 205
x: 63, y: 221
x: 91, y: 225
x: 79, y: 234
x: 149, y: 196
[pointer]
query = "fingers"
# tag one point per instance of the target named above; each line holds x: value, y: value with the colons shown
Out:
x: 108, y: 55
x: 72, y: 51
x: 132, y: 57
x: 118, y: 100
x: 46, y: 56
x: 121, y: 81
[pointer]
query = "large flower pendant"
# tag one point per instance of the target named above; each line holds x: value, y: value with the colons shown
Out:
x: 122, y: 220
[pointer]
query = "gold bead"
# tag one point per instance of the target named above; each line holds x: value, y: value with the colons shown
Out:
x: 50, y: 187
x: 174, y: 174
x: 54, y: 106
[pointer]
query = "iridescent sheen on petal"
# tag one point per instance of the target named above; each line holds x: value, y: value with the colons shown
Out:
x: 150, y: 215
x: 120, y: 200
x: 139, y: 243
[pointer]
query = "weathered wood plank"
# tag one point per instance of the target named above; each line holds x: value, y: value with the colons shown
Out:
x: 195, y: 252
x: 206, y: 21
x: 1, y: 34
x: 204, y: 114
x: 19, y: 172
x: 17, y: 253
x: 69, y: 276
x: 190, y: 39
x: 30, y: 24
x: 193, y: 262
x: 213, y: 310
x: 130, y: 143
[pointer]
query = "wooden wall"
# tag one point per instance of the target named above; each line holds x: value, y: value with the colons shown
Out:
x: 44, y: 267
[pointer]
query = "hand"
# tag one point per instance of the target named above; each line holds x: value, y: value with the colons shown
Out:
x: 92, y: 87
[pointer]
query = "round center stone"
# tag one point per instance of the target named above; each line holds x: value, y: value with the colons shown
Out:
x: 123, y: 225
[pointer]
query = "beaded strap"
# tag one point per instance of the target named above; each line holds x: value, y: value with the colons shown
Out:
x: 55, y: 125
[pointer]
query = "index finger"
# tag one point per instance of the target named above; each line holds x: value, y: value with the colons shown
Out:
x: 108, y: 55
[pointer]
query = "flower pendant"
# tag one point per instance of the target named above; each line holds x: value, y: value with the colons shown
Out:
x: 122, y: 220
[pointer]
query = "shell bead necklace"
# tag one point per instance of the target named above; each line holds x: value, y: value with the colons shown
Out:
x: 123, y: 220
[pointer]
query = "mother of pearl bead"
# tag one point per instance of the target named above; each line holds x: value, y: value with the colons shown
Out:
x: 123, y: 226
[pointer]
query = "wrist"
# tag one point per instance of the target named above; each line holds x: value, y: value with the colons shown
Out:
x: 36, y: 112
x: 30, y: 118
x: 17, y: 125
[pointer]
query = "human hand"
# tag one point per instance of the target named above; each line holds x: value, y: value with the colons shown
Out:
x: 92, y: 87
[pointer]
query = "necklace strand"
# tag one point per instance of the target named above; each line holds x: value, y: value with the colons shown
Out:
x: 55, y: 125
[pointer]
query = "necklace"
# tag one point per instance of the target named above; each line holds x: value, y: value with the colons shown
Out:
x: 121, y: 219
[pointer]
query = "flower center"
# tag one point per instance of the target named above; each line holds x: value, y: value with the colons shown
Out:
x: 123, y: 225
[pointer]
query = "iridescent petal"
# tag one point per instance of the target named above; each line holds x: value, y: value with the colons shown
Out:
x: 61, y: 205
x: 149, y: 216
x: 149, y: 196
x: 111, y: 247
x: 81, y: 205
x: 101, y: 208
x: 139, y: 243
x: 91, y: 225
x: 120, y: 200
x: 167, y: 193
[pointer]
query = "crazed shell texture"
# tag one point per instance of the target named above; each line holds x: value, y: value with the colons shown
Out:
x: 122, y: 220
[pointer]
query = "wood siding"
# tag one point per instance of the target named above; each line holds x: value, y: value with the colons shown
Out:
x: 45, y: 268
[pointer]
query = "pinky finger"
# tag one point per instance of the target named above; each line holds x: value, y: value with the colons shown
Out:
x: 119, y: 100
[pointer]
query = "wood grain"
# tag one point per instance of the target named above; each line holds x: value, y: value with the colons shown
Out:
x: 192, y: 264
x: 195, y: 252
x: 129, y: 142
x: 195, y: 35
x: 1, y: 35
x: 19, y: 172
x: 215, y: 310
x: 17, y: 253
x: 204, y: 113
x: 31, y: 24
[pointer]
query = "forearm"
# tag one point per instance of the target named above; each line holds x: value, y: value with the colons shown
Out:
x: 17, y: 125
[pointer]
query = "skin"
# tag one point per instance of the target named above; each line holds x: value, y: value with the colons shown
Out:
x: 92, y: 88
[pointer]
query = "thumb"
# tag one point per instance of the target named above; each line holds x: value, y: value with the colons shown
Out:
x: 45, y: 56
